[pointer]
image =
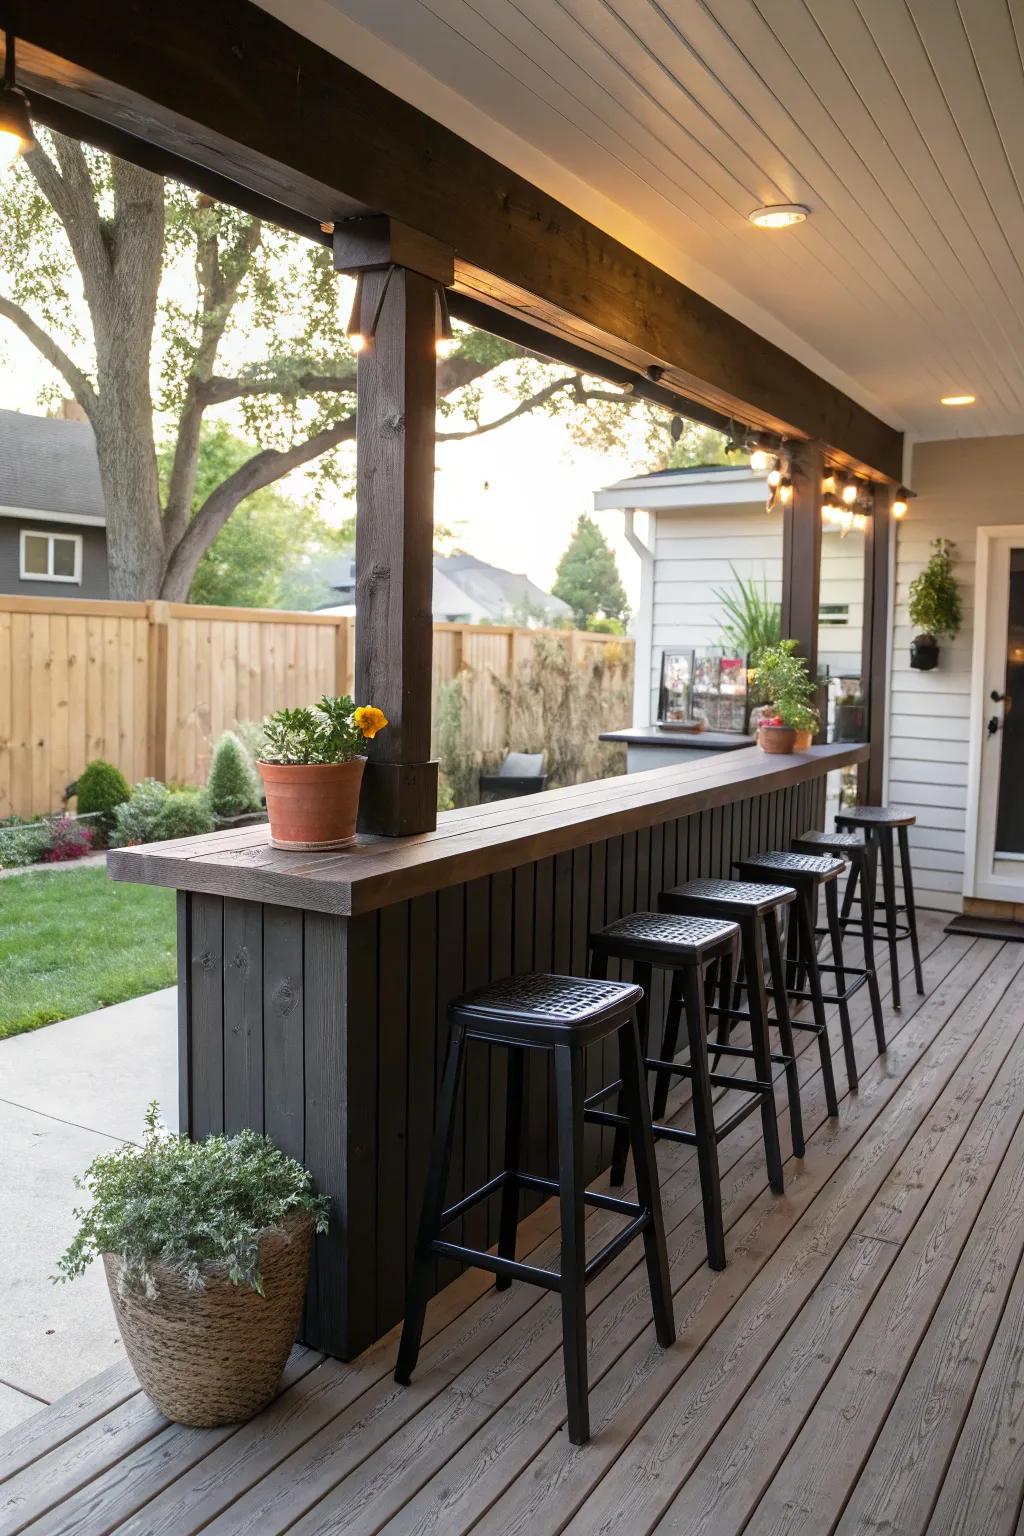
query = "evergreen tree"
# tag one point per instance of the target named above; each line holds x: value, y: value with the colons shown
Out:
x: 588, y: 578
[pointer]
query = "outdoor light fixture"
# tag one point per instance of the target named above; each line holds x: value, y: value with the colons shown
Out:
x: 958, y: 399
x: 786, y: 490
x: 760, y: 459
x: 778, y: 215
x: 16, y: 136
x: 775, y: 475
x: 850, y: 492
x: 358, y: 339
x: 901, y: 501
x: 828, y: 484
x: 445, y: 343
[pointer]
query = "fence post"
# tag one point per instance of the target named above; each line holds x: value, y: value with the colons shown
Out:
x: 158, y: 615
x: 343, y: 682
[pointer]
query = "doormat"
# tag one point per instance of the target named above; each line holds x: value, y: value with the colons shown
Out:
x: 987, y: 928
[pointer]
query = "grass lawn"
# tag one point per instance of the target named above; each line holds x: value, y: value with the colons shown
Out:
x: 73, y: 941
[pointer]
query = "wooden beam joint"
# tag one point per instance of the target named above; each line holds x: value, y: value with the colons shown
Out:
x: 374, y: 241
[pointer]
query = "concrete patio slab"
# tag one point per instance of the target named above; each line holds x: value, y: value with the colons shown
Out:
x: 15, y: 1406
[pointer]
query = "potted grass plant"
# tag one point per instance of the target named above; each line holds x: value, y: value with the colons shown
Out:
x: 783, y: 683
x: 206, y: 1250
x: 934, y: 606
x: 312, y: 771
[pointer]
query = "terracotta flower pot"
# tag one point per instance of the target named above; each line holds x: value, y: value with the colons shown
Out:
x: 803, y: 741
x: 776, y: 738
x: 312, y: 805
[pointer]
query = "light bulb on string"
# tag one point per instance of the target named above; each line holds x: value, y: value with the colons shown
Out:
x: 16, y: 137
x: 851, y: 491
x: 786, y: 490
x: 760, y: 459
x: 828, y: 484
x: 901, y: 502
x: 775, y: 475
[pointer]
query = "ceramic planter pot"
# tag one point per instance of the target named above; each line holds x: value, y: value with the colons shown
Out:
x: 215, y: 1356
x: 803, y: 741
x: 776, y: 738
x: 312, y: 805
x: 924, y: 653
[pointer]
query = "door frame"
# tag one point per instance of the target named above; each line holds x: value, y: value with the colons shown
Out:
x: 980, y: 884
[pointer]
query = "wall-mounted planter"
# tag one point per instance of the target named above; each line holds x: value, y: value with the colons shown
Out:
x: 851, y: 722
x: 924, y: 653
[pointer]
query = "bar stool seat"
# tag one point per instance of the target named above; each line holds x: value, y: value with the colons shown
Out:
x: 560, y: 1014
x: 751, y: 895
x: 643, y: 933
x: 843, y: 843
x: 884, y: 826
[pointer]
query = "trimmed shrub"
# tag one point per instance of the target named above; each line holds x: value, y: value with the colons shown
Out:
x: 101, y: 788
x: 184, y: 813
x: 232, y: 789
x: 135, y: 819
x: 23, y: 842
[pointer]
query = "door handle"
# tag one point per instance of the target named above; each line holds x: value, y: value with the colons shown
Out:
x: 993, y: 725
x: 996, y: 696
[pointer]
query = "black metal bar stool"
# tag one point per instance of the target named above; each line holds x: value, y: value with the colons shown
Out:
x: 809, y: 874
x: 755, y: 908
x: 879, y: 823
x: 686, y: 947
x: 563, y: 1015
x: 861, y: 856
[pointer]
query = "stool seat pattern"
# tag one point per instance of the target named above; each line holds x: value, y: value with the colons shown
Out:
x: 794, y: 863
x: 875, y: 816
x: 737, y: 893
x: 664, y: 930
x: 831, y: 842
x: 548, y: 1005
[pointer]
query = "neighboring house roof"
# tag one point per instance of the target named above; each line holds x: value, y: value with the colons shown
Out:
x: 705, y: 485
x: 469, y: 590
x: 48, y: 467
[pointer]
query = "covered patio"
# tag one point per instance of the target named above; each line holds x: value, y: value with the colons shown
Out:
x: 856, y: 1366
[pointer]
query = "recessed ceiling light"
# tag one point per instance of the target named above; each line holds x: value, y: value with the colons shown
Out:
x: 779, y: 215
x: 958, y: 399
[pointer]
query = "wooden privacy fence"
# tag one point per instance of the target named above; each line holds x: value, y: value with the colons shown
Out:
x: 150, y: 686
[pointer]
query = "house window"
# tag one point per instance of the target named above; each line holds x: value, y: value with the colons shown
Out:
x: 51, y: 556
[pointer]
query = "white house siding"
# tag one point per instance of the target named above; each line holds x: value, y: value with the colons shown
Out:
x: 842, y: 582
x: 961, y: 484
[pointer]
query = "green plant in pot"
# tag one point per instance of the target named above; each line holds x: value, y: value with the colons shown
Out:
x: 206, y: 1250
x: 312, y: 771
x: 784, y: 685
x: 934, y: 606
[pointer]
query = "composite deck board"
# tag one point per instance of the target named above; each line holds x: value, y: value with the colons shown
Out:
x: 857, y: 1366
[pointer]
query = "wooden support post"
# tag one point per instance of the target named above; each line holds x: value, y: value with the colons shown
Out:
x: 397, y: 397
x: 801, y: 553
x: 875, y: 643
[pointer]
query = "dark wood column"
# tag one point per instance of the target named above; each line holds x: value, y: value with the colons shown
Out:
x: 875, y: 642
x: 396, y: 406
x: 801, y: 553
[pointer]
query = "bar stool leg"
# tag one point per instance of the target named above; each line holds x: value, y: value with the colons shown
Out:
x: 726, y: 989
x: 836, y: 935
x: 804, y: 925
x: 868, y: 935
x: 620, y: 1146
x: 891, y: 916
x: 509, y: 1221
x: 638, y: 1112
x: 758, y: 1009
x: 908, y: 902
x: 703, y: 1116
x: 669, y: 1045
x: 785, y: 1029
x: 569, y: 1102
x: 433, y: 1205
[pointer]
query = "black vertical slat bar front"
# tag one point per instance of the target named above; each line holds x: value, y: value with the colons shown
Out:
x: 323, y: 1025
x: 243, y: 1015
x: 206, y: 1023
x: 423, y: 1028
x: 476, y: 1077
x: 501, y: 892
x: 356, y: 1128
x: 393, y: 1087
x: 284, y: 1086
x: 184, y: 936
x: 451, y: 980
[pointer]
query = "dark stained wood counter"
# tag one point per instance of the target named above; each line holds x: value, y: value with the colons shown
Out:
x: 479, y: 840
x: 313, y: 989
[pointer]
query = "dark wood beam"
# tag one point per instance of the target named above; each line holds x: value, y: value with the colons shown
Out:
x: 396, y: 387
x: 801, y: 553
x: 235, y: 91
x: 875, y: 643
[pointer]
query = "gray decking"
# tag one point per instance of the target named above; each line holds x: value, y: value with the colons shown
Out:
x: 857, y: 1368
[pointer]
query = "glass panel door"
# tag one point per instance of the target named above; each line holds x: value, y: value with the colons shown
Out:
x: 1010, y: 811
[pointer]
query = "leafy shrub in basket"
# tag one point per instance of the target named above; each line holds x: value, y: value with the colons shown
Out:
x: 184, y: 813
x: 232, y: 788
x: 100, y: 787
x: 176, y: 1205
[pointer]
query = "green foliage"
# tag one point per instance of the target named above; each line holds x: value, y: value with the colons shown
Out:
x: 934, y: 606
x: 135, y: 820
x: 460, y: 763
x: 232, y: 788
x: 753, y: 619
x: 782, y: 678
x: 101, y: 788
x: 588, y: 578
x: 177, y: 1205
x: 184, y: 813
x: 330, y: 733
x: 606, y: 626
x: 557, y: 706
x: 253, y: 738
x: 23, y: 842
x: 57, y: 961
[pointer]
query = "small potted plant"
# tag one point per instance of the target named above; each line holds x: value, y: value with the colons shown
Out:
x: 934, y: 606
x: 782, y: 678
x: 206, y: 1249
x: 312, y: 771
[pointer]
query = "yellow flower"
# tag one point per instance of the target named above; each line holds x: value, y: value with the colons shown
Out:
x: 370, y: 720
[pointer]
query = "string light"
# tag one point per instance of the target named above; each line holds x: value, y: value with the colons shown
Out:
x: 901, y: 502
x: 775, y: 475
x: 828, y: 484
x: 851, y: 490
x: 16, y: 136
x: 760, y: 459
x: 786, y: 490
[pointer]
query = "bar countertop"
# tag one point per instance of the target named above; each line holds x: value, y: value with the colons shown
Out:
x: 479, y: 840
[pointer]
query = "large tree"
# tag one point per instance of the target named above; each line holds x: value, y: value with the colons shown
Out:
x: 155, y: 305
x: 588, y: 577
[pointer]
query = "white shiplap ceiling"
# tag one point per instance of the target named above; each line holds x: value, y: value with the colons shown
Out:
x: 900, y: 123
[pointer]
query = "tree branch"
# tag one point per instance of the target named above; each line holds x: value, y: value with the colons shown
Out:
x: 572, y: 382
x: 54, y: 354
x: 70, y: 193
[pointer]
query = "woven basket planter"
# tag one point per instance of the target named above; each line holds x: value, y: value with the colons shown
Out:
x: 215, y: 1356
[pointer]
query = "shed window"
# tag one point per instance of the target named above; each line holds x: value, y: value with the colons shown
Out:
x: 51, y: 556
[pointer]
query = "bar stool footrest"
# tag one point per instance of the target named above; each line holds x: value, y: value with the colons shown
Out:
x: 510, y: 1269
x: 737, y: 1117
